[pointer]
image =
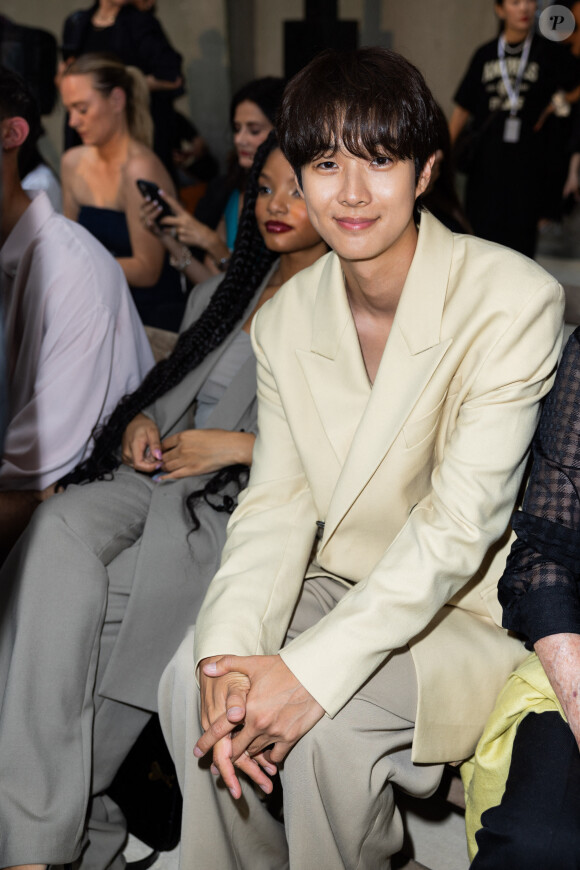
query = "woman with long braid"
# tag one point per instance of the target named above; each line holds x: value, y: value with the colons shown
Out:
x: 98, y: 594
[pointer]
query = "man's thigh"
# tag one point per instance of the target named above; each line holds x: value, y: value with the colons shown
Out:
x: 394, y: 685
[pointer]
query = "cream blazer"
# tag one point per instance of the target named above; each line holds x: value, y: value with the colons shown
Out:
x: 414, y: 478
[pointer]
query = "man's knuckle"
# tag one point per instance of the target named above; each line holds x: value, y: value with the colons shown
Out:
x: 261, y: 722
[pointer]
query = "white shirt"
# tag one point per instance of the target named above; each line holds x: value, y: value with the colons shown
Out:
x: 74, y: 344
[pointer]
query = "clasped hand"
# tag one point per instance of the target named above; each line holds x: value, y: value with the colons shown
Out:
x: 253, y: 711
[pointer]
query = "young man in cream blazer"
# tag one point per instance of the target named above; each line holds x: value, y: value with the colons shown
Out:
x: 351, y: 639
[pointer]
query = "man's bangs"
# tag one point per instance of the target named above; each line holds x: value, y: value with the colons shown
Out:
x: 363, y: 136
x: 373, y: 134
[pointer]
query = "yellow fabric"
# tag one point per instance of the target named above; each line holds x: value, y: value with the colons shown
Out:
x: 484, y: 775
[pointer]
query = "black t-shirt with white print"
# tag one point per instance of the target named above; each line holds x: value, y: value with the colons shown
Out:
x: 482, y: 92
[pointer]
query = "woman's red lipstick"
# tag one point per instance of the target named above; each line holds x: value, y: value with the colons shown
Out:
x: 277, y: 227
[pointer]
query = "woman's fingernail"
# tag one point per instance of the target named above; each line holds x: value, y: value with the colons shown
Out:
x: 157, y: 453
x: 197, y: 752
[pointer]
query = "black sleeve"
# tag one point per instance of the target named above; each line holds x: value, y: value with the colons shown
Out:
x: 574, y: 141
x: 74, y: 32
x: 157, y: 55
x: 539, y: 589
x: 467, y: 93
x: 569, y: 70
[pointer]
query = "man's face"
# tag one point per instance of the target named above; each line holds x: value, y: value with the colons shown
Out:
x: 362, y: 207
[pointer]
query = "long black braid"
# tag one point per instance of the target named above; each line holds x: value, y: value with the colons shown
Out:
x: 249, y: 265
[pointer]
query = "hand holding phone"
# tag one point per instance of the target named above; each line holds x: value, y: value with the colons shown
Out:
x: 151, y: 191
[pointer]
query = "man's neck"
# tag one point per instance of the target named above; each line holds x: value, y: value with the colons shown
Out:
x: 376, y: 285
x: 14, y: 204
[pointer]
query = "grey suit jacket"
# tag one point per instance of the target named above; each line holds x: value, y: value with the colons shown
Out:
x: 172, y: 568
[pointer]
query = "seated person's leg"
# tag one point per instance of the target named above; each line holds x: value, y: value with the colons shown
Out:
x: 116, y: 727
x: 339, y: 809
x: 212, y: 820
x: 537, y: 824
x: 339, y: 802
x: 54, y: 595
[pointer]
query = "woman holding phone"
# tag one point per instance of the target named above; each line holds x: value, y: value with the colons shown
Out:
x: 107, y: 104
x: 207, y: 238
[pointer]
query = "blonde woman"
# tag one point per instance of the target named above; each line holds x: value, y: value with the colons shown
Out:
x: 107, y: 104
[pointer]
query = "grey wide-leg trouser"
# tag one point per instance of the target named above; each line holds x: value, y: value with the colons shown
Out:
x: 61, y: 606
x: 339, y: 807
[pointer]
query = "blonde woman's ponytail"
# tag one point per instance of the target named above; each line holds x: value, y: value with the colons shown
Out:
x: 138, y: 114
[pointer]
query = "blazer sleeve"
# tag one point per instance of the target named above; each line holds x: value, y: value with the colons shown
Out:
x: 250, y: 601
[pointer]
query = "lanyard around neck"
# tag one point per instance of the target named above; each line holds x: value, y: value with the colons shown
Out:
x: 513, y: 92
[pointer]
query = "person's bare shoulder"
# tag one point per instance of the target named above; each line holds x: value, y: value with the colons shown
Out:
x: 143, y: 163
x: 73, y: 158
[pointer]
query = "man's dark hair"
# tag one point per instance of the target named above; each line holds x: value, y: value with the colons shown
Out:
x: 18, y: 101
x: 372, y: 101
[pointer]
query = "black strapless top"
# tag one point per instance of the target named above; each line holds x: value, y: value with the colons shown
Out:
x: 109, y: 226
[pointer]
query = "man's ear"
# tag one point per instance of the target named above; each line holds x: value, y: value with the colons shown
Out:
x: 425, y: 176
x: 14, y: 133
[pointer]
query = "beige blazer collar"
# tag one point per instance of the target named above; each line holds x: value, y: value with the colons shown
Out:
x: 361, y: 423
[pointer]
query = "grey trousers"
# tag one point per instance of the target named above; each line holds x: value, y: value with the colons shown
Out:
x: 339, y: 806
x: 62, y: 600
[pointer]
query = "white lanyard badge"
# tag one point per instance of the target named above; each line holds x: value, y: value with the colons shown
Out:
x: 512, y: 125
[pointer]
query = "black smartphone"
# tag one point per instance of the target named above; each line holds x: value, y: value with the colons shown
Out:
x: 149, y: 189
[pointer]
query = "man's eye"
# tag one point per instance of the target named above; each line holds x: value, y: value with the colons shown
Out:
x: 382, y: 161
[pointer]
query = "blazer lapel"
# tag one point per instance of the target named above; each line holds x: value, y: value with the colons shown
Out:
x: 413, y: 352
x: 335, y: 358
